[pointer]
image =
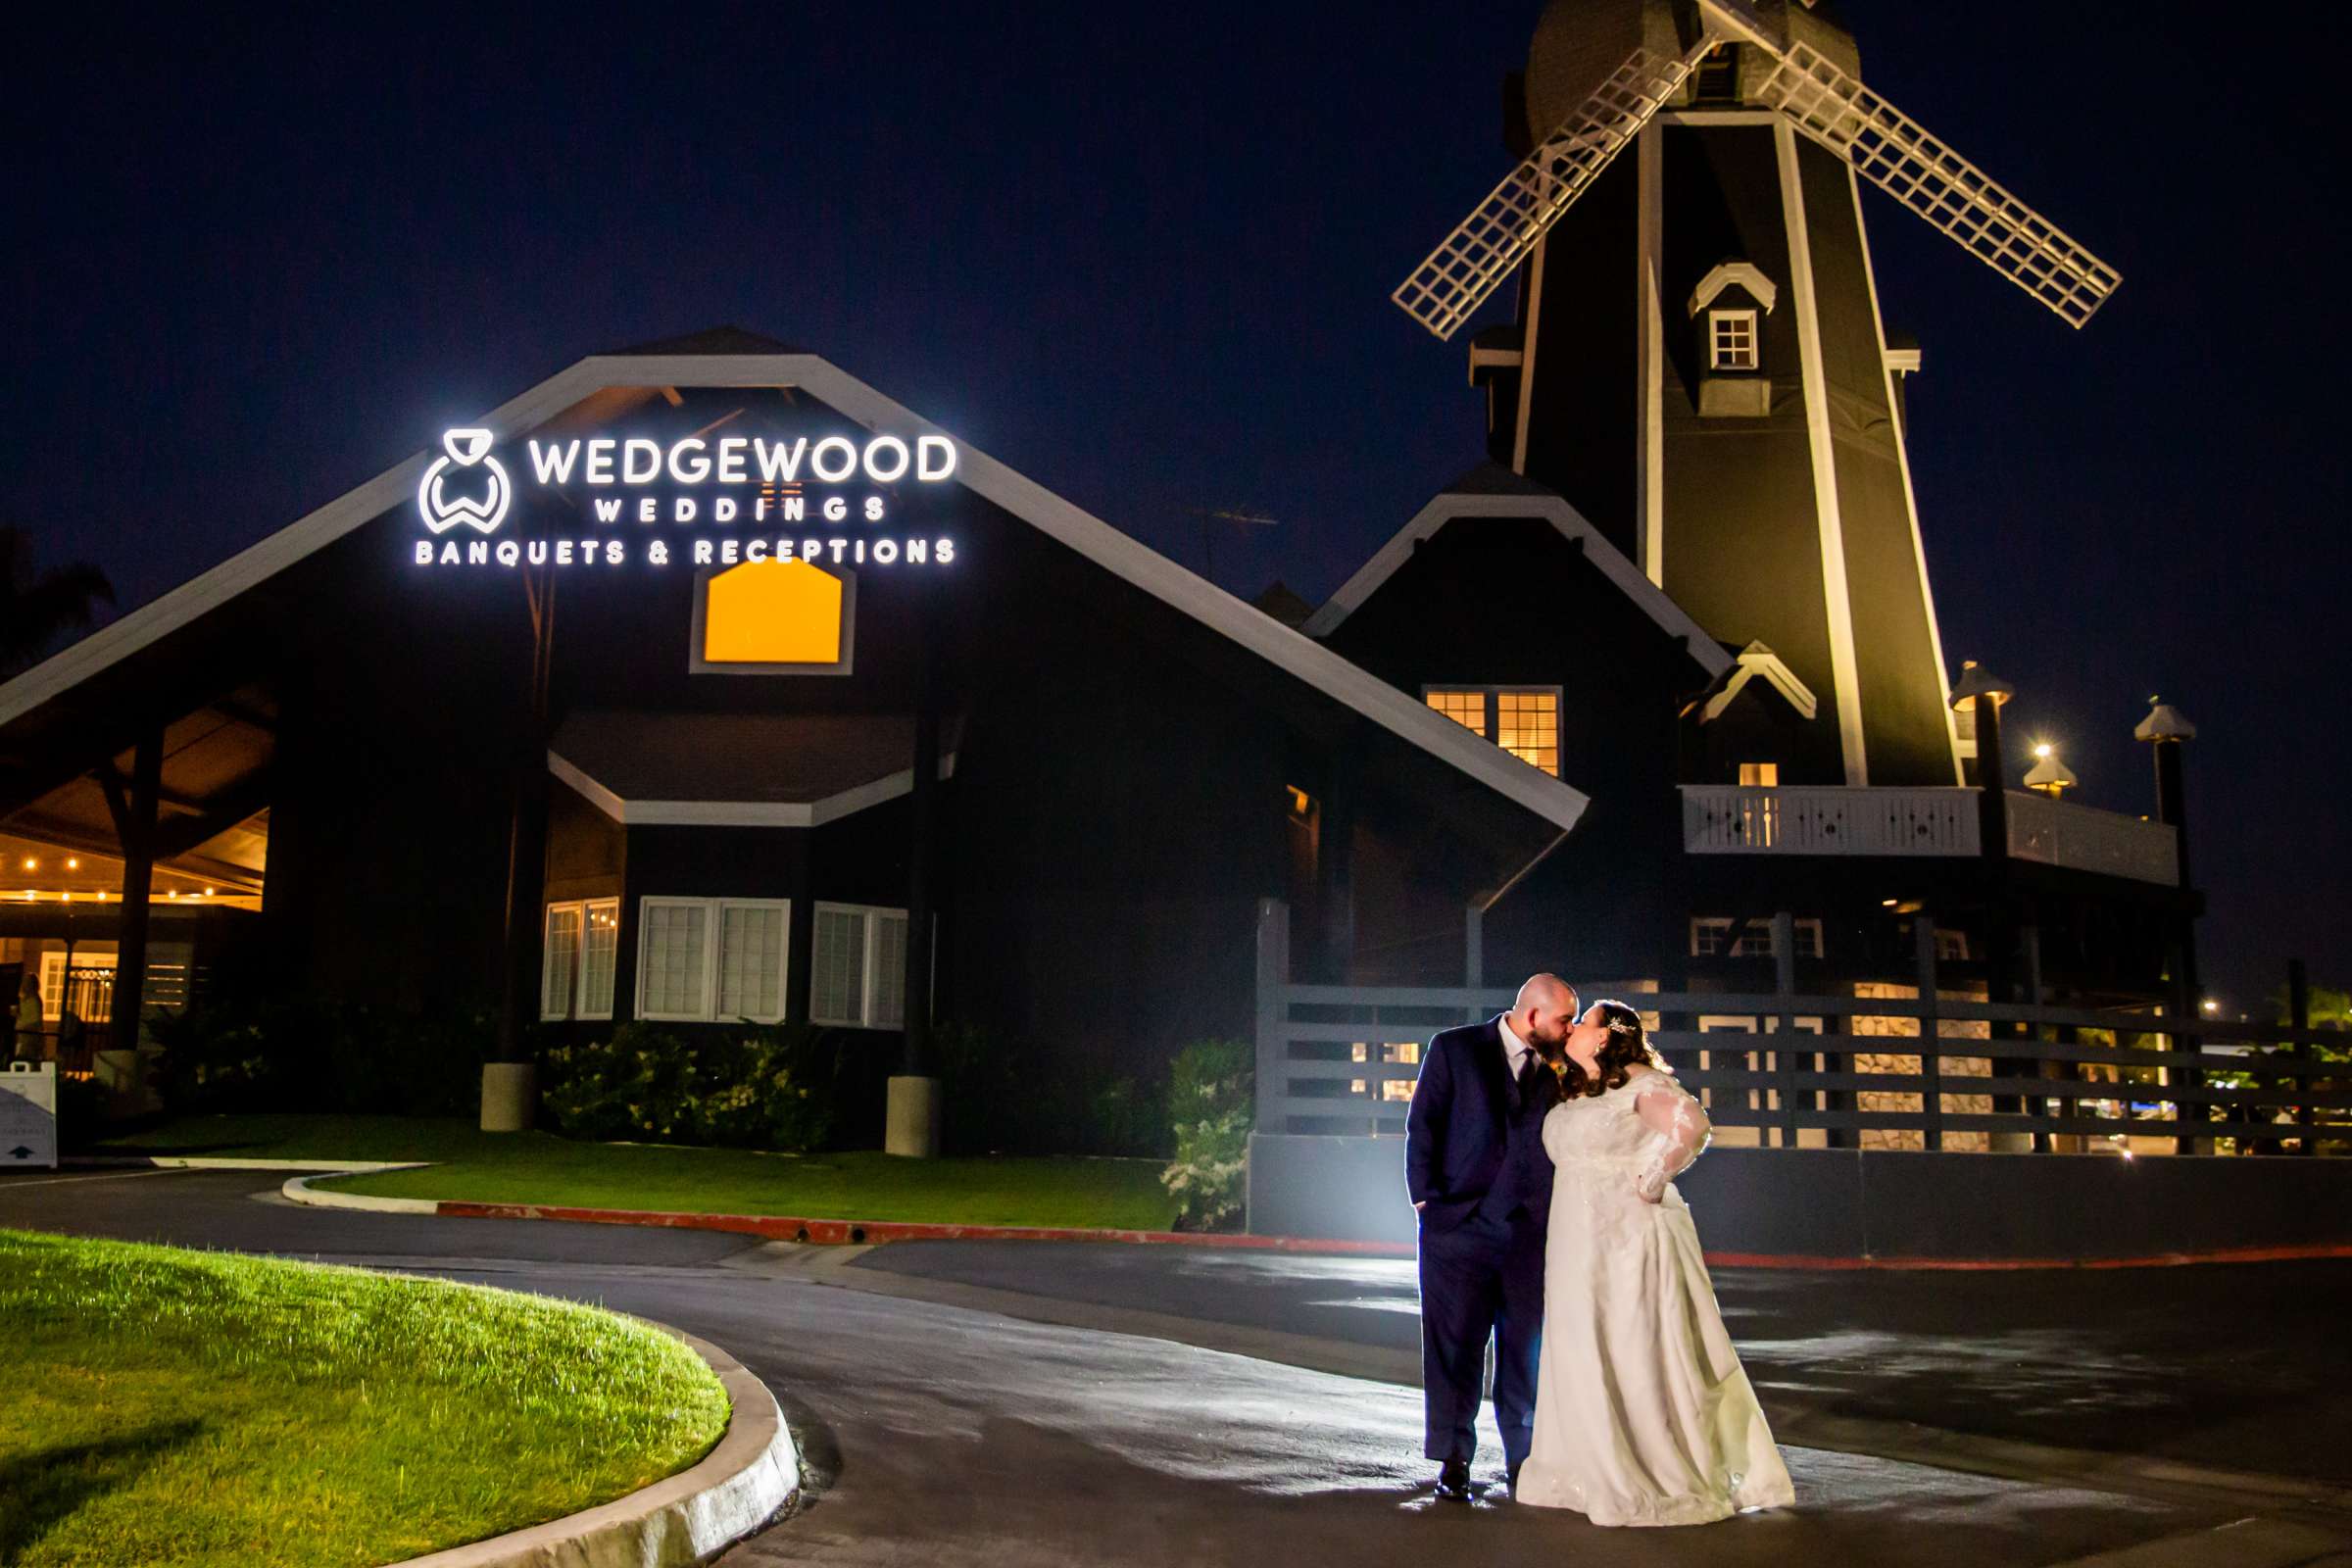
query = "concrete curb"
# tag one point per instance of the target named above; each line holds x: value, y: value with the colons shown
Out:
x: 751, y: 1476
x: 819, y: 1231
x: 297, y: 1188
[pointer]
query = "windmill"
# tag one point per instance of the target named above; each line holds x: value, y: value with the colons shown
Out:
x: 1698, y: 361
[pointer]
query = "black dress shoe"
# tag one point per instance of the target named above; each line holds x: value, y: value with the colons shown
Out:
x: 1453, y: 1480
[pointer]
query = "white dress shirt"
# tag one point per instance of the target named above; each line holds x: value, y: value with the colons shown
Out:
x: 1514, y: 1048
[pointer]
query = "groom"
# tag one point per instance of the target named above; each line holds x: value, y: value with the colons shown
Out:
x: 1475, y: 1166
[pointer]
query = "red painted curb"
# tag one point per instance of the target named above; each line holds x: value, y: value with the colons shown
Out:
x: 852, y: 1233
x: 2237, y: 1254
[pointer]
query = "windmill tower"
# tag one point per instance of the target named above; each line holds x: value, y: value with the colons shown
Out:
x: 1698, y: 363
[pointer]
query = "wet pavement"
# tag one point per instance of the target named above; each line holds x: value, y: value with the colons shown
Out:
x: 2231, y: 1366
x: 942, y: 1431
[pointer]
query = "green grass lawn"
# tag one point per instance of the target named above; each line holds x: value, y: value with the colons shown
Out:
x: 541, y: 1168
x: 175, y: 1408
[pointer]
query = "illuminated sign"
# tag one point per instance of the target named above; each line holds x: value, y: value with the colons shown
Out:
x: 465, y: 448
x: 748, y: 498
x: 773, y: 617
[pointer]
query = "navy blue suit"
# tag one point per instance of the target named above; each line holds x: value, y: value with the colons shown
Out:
x: 1474, y: 1159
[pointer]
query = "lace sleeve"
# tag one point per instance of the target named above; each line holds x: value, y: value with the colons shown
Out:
x: 1677, y: 1134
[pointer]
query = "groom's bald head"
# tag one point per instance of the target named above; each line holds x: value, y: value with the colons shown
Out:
x: 1544, y: 1011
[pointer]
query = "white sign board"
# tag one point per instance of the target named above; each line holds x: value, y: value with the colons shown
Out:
x: 29, y: 1116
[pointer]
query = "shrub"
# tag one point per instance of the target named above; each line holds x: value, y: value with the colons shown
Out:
x: 1003, y: 1096
x: 1210, y: 1110
x: 769, y: 1086
x: 306, y: 1054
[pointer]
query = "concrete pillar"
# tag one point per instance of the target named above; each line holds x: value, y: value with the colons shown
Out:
x: 910, y: 1121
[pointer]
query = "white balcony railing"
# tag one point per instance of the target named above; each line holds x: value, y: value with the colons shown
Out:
x: 2091, y: 840
x: 1737, y: 819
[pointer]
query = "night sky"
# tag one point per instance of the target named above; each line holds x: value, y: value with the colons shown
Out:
x: 1143, y: 255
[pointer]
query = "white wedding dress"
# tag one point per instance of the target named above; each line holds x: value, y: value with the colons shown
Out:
x: 1644, y: 1415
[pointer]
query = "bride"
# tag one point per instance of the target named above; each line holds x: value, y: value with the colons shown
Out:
x: 1644, y: 1415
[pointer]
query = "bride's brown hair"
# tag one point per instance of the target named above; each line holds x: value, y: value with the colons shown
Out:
x: 1625, y: 1046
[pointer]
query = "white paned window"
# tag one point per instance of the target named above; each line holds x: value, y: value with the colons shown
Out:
x: 860, y: 978
x: 889, y: 1009
x: 560, y: 961
x: 600, y: 950
x: 576, y: 958
x: 711, y: 960
x: 1712, y: 936
x: 1731, y: 340
x: 673, y: 958
x: 751, y: 959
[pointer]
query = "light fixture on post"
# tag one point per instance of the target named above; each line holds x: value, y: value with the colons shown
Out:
x: 2048, y: 775
x: 2167, y: 727
x: 1980, y: 692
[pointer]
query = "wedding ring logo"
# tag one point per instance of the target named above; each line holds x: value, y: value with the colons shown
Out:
x: 482, y: 513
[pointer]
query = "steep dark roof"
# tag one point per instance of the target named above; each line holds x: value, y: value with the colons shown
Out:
x: 1490, y: 479
x: 797, y: 758
x: 715, y: 340
x: 1277, y: 600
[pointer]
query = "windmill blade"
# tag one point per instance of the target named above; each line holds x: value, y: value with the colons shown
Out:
x: 1895, y: 152
x: 1500, y: 230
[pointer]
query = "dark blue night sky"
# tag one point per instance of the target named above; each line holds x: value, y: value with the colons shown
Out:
x: 1143, y: 254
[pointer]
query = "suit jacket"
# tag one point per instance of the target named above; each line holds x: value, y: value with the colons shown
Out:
x: 1458, y: 1129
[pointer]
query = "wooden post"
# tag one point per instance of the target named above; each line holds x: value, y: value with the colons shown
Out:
x: 1273, y: 976
x: 137, y: 832
x: 2028, y: 937
x: 1331, y: 949
x: 1930, y: 1031
x: 922, y: 847
x: 2298, y: 1018
x: 1783, y: 1056
x: 2184, y: 1016
x: 526, y: 832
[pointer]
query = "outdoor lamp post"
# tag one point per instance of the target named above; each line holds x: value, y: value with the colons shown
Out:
x: 2167, y: 727
x: 1980, y: 692
x: 1983, y: 693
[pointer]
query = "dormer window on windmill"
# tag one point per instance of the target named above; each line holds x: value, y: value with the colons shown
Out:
x: 1730, y: 307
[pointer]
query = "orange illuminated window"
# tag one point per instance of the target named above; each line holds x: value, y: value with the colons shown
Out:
x: 1524, y: 720
x: 1760, y: 775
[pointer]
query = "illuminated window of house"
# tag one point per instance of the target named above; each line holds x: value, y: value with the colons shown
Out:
x: 1760, y: 775
x: 1711, y: 937
x: 1524, y: 720
x: 1731, y: 340
x: 576, y: 958
x: 1467, y: 709
x: 1404, y: 1052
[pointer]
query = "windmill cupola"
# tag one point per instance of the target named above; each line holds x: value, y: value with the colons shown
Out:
x: 1579, y: 44
x: 1728, y: 309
